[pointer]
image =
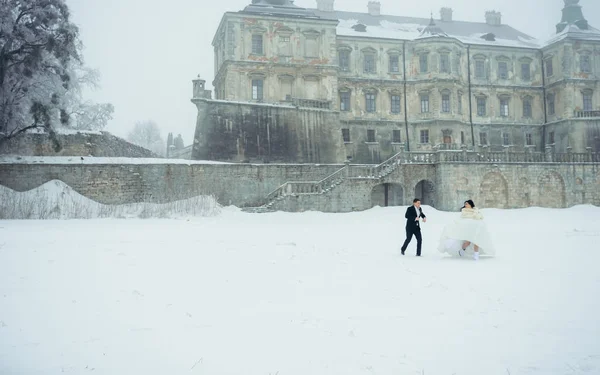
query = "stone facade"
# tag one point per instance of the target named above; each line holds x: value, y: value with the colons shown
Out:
x: 425, y: 84
x: 238, y: 184
x: 265, y: 133
x: 100, y: 144
x: 442, y: 179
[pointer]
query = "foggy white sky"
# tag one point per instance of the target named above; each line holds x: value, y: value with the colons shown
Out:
x: 149, y: 51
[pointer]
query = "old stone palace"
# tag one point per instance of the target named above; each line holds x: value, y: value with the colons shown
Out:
x: 323, y: 85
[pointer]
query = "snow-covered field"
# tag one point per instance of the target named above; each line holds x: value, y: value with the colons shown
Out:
x: 299, y: 294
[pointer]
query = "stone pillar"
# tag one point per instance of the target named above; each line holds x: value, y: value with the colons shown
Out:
x: 403, y: 153
x: 507, y: 153
x: 549, y: 153
x: 589, y: 154
x: 464, y: 152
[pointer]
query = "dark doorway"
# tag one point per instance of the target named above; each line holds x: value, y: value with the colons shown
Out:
x: 387, y: 195
x: 425, y: 191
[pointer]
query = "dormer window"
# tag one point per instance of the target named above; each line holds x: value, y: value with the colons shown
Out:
x: 490, y: 37
x: 360, y: 28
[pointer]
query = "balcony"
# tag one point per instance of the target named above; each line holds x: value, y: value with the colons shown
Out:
x: 311, y: 103
x: 586, y: 114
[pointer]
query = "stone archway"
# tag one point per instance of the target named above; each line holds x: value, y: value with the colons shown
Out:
x: 493, y: 191
x: 425, y: 191
x: 387, y: 195
x: 551, y: 191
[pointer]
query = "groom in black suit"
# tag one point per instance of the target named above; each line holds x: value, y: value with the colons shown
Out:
x: 413, y: 214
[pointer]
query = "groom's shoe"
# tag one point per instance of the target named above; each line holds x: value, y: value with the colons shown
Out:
x: 402, y: 252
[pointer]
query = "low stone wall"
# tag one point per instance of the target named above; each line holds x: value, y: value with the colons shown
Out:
x: 232, y: 184
x: 443, y: 185
x: 518, y: 185
x: 99, y: 144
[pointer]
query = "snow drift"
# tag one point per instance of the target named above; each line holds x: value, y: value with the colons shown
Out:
x: 57, y: 200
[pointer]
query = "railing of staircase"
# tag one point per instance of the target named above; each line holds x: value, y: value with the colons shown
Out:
x: 331, y: 180
x: 307, y: 187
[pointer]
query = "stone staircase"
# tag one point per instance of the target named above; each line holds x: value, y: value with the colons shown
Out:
x: 347, y: 172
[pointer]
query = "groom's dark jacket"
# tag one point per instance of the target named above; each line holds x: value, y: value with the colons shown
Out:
x: 411, y: 215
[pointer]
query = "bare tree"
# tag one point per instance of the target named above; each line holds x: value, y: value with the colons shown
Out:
x: 147, y: 134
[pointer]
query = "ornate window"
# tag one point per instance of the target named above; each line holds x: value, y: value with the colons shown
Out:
x: 481, y: 105
x: 483, y: 138
x: 549, y: 67
x: 286, y: 82
x: 346, y: 135
x: 527, y: 103
x: 369, y: 60
x: 345, y: 100
x: 525, y: 68
x: 395, y: 103
x: 257, y: 44
x: 551, y: 103
x: 424, y: 102
x: 479, y: 61
x: 445, y: 101
x: 371, y: 136
x: 344, y: 58
x: 370, y: 101
x: 394, y: 61
x: 424, y: 62
x: 585, y: 62
x: 445, y: 62
x: 284, y: 41
x: 504, y: 101
x: 257, y: 89
x: 311, y: 43
x: 503, y: 70
x: 587, y: 100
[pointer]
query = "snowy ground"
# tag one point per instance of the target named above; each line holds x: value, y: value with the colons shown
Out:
x: 299, y: 294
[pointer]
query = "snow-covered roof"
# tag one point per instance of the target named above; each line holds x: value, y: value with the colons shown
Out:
x: 411, y: 28
x: 574, y: 32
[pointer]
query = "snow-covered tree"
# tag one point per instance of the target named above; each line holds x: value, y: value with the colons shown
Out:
x: 147, y: 135
x: 38, y: 43
x: 85, y: 114
x: 178, y: 142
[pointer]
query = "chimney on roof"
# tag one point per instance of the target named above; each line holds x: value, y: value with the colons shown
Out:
x: 325, y: 5
x: 493, y: 18
x: 446, y: 14
x: 374, y: 8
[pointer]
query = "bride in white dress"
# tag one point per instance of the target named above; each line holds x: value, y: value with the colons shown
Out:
x: 468, y: 235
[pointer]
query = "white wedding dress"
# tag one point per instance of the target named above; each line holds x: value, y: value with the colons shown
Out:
x: 469, y: 227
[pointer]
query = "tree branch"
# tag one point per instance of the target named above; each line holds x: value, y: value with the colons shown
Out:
x: 15, y: 132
